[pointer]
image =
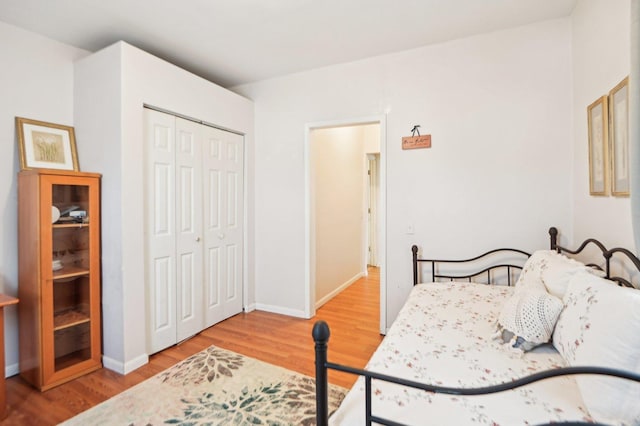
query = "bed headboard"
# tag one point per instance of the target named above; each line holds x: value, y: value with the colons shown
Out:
x: 601, y: 261
x: 622, y: 254
x: 517, y: 258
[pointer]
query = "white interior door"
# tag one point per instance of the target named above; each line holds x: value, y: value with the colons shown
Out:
x: 372, y: 165
x: 223, y: 223
x: 189, y: 288
x: 160, y: 230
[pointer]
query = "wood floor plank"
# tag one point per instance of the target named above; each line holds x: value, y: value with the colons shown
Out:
x: 353, y: 316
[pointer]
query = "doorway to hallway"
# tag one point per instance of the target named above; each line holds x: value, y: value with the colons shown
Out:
x: 345, y: 208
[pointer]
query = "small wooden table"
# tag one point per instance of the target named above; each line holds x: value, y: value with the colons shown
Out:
x: 4, y: 301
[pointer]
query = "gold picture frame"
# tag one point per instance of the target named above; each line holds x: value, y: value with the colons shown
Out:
x: 46, y: 145
x: 598, y: 128
x: 619, y: 136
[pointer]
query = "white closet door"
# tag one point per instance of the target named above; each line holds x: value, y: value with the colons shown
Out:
x: 194, y: 227
x: 160, y: 229
x: 223, y: 223
x: 189, y: 288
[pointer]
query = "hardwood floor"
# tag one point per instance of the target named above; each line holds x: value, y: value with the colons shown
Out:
x: 353, y: 316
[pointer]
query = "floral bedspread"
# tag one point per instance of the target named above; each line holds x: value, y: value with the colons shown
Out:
x: 443, y: 336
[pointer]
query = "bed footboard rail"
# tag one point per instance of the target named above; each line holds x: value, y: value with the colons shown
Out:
x: 476, y: 272
x: 321, y: 334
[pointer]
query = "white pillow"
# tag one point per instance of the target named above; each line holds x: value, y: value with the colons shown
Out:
x: 550, y: 270
x: 558, y: 272
x: 600, y: 326
x: 527, y: 318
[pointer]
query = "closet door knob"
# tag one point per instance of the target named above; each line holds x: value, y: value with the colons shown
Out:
x: 221, y: 236
x: 198, y: 239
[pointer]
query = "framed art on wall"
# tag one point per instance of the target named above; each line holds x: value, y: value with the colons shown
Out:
x: 46, y: 145
x: 598, y: 128
x: 619, y: 135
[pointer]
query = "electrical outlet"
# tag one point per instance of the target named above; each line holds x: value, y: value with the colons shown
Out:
x: 410, y: 230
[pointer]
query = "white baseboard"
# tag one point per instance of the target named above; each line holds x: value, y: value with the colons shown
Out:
x: 127, y: 367
x: 112, y: 364
x: 249, y: 308
x: 340, y: 288
x: 280, y: 310
x: 11, y: 370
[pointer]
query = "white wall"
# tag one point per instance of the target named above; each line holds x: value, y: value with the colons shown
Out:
x: 499, y: 109
x: 338, y: 197
x: 111, y: 87
x: 601, y: 52
x: 36, y: 81
x: 371, y: 138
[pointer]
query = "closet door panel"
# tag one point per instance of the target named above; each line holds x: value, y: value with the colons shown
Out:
x: 212, y: 285
x: 233, y: 220
x: 160, y: 229
x: 187, y: 269
x: 232, y: 269
x: 214, y: 201
x: 233, y: 242
x: 223, y: 161
x: 212, y: 191
x: 232, y: 200
x: 162, y: 289
x: 189, y: 233
x: 212, y: 266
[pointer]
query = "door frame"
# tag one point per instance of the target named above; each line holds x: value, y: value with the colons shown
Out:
x: 309, y: 220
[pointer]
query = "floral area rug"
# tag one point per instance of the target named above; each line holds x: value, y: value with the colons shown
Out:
x: 214, y: 387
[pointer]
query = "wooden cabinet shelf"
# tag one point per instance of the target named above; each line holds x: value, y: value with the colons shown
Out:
x: 60, y: 332
x: 70, y: 225
x: 71, y: 359
x: 70, y: 272
x: 69, y: 318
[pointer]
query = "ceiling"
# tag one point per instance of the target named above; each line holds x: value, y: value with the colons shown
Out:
x: 238, y: 41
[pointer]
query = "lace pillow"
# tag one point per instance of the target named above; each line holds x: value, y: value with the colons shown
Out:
x: 527, y: 319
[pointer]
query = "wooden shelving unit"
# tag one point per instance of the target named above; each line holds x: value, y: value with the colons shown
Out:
x: 60, y: 328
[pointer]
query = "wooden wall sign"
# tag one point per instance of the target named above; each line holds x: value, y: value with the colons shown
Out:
x: 413, y: 142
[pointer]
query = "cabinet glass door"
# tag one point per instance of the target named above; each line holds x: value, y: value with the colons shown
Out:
x: 71, y: 275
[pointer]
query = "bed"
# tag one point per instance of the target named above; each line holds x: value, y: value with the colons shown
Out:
x: 459, y: 354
